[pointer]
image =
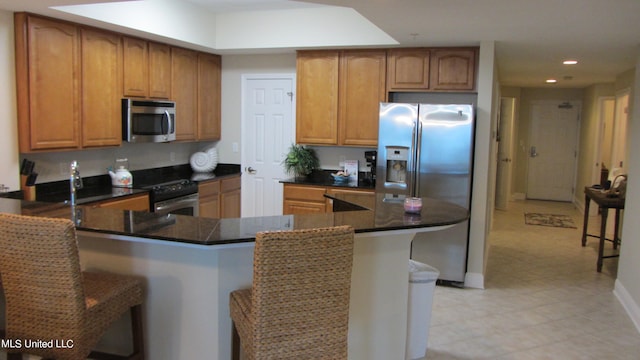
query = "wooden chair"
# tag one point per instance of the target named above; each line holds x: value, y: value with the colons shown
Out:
x: 48, y: 297
x: 298, y: 306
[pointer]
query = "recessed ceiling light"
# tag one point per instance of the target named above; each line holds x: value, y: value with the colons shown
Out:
x: 570, y: 62
x: 551, y: 81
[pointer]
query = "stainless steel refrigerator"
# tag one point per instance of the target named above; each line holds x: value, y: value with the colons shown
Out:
x: 426, y: 150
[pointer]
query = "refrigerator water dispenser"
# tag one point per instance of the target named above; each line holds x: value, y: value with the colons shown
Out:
x: 397, y: 160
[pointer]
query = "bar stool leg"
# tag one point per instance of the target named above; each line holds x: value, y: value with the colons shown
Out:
x: 603, y: 230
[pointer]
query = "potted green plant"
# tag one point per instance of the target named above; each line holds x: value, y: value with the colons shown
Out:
x: 300, y: 161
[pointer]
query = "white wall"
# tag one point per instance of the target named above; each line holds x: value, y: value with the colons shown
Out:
x: 627, y: 287
x: 233, y: 67
x: 484, y: 168
x: 9, y: 158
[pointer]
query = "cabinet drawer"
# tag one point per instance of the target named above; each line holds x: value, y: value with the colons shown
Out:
x: 134, y: 202
x: 307, y: 193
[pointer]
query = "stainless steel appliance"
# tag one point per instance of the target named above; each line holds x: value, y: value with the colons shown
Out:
x: 426, y: 150
x: 148, y: 120
x: 178, y: 197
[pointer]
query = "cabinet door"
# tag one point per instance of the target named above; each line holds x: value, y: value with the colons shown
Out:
x: 159, y: 70
x: 48, y: 80
x: 317, y: 98
x: 208, y: 97
x: 209, y: 199
x: 230, y: 204
x: 408, y: 69
x: 230, y: 197
x: 453, y: 69
x: 135, y: 67
x: 184, y: 90
x: 362, y: 88
x: 101, y: 88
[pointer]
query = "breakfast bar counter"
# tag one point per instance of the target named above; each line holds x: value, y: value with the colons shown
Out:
x: 190, y: 265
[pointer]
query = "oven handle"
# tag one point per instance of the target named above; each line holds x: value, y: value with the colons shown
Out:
x: 171, y: 204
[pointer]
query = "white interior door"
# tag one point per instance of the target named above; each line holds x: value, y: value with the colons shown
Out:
x: 268, y: 129
x: 553, y: 151
x: 505, y: 148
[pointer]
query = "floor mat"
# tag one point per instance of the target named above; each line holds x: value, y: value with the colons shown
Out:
x: 554, y: 220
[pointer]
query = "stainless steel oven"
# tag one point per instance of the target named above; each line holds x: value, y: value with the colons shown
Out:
x: 178, y: 197
x: 183, y: 205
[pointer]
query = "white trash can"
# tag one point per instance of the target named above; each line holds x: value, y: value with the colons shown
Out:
x: 422, y: 283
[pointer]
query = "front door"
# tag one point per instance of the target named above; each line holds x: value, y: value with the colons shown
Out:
x: 268, y: 129
x: 553, y: 150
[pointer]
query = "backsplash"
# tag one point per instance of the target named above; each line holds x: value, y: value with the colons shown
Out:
x: 330, y: 156
x: 54, y: 166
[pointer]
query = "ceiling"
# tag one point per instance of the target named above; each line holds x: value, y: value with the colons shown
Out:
x: 532, y: 38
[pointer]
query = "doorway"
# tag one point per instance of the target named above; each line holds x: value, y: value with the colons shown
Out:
x: 268, y: 129
x: 505, y: 151
x: 553, y: 150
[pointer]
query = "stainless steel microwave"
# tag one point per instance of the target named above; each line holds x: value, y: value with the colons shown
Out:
x: 148, y: 120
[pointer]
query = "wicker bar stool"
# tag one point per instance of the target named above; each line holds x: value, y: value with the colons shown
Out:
x: 49, y: 298
x: 298, y: 305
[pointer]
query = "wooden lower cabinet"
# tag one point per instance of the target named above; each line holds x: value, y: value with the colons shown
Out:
x: 209, y: 199
x: 220, y: 199
x: 230, y: 198
x: 363, y: 197
x: 304, y: 199
x: 308, y: 199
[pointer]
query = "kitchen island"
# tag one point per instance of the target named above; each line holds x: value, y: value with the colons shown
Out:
x: 191, y: 264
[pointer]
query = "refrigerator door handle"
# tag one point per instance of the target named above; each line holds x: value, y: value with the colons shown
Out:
x: 416, y: 160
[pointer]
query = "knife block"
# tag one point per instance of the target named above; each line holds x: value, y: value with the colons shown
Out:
x: 29, y: 192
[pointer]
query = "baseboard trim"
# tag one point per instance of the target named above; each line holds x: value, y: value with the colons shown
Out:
x: 632, y: 308
x: 474, y: 280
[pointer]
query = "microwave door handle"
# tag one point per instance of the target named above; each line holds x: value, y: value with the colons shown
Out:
x: 169, y: 128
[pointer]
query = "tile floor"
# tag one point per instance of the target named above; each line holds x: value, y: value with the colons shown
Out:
x: 543, y: 297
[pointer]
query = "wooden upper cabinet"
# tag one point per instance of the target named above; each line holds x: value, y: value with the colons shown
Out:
x: 159, y: 70
x: 48, y: 80
x: 184, y: 91
x: 135, y: 67
x: 362, y: 88
x: 101, y: 88
x: 453, y: 69
x: 209, y: 86
x: 408, y: 69
x: 317, y: 98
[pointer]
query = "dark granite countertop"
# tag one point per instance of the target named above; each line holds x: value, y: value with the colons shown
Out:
x: 98, y: 188
x: 385, y: 216
x: 323, y: 178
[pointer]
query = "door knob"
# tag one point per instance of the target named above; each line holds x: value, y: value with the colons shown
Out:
x: 250, y: 170
x: 533, y: 152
